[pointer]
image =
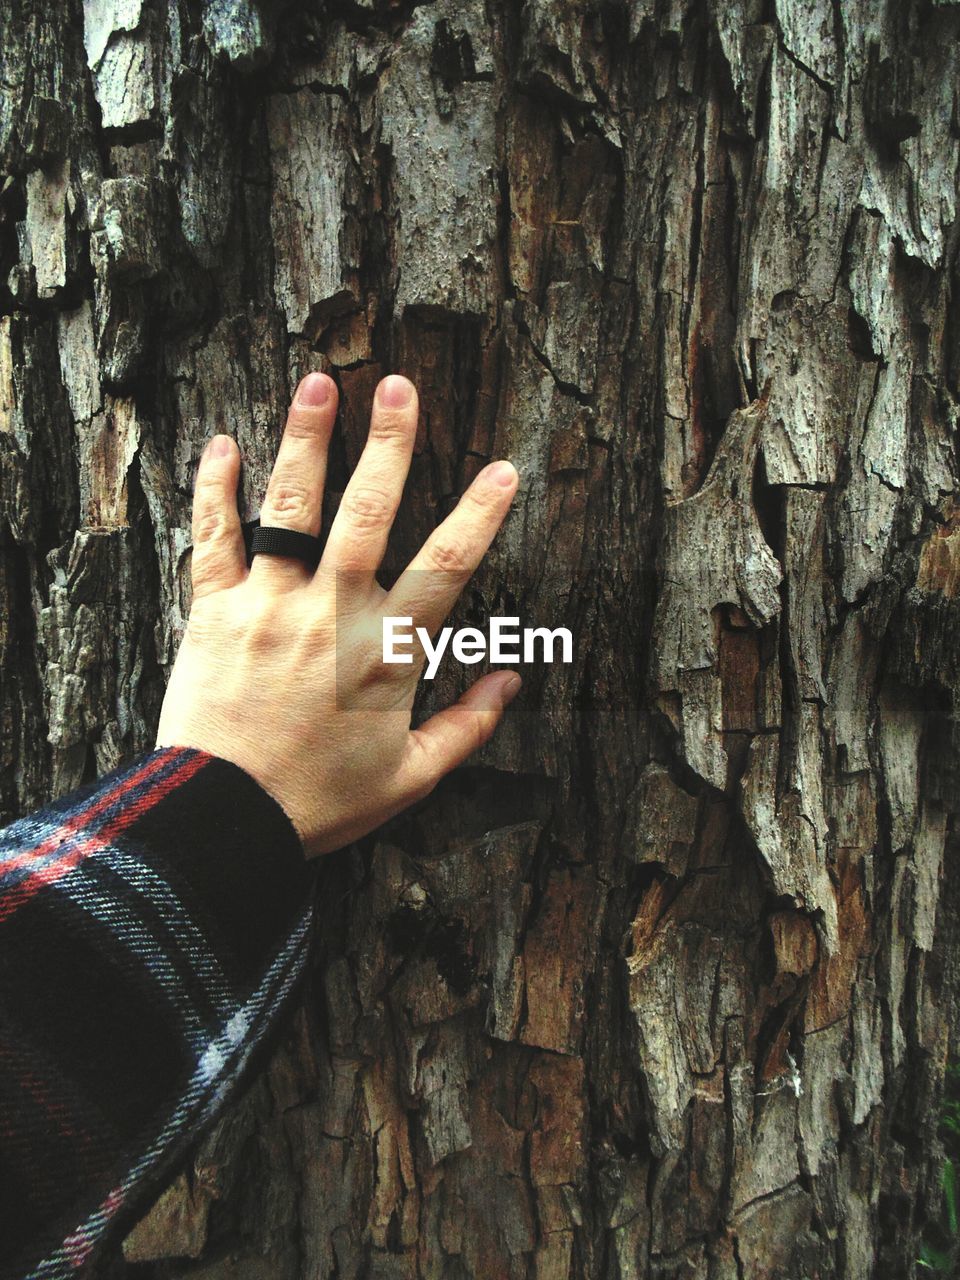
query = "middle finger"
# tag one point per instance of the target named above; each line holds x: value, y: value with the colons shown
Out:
x: 358, y: 537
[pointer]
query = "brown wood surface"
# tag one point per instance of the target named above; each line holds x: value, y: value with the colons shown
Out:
x: 662, y: 985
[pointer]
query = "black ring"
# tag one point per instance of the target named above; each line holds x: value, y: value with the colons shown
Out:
x: 273, y: 541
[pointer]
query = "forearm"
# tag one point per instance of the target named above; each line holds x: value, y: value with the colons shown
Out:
x: 151, y: 927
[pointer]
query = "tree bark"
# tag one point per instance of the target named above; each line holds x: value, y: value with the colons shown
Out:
x: 663, y: 984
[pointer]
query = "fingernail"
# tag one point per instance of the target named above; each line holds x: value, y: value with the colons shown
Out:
x: 502, y: 473
x: 219, y: 447
x: 510, y: 687
x: 314, y: 390
x: 395, y: 391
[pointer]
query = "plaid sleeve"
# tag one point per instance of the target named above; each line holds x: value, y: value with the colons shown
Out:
x: 151, y: 926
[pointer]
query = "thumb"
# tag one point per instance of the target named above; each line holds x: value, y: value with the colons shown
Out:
x: 446, y: 739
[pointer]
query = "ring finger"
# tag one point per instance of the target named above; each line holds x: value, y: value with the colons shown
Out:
x: 294, y: 495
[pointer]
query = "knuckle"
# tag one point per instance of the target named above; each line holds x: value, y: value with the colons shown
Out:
x: 307, y: 650
x: 399, y: 673
x: 430, y: 765
x: 209, y: 524
x: 319, y: 633
x: 448, y: 557
x: 484, y: 723
x: 483, y: 498
x: 290, y: 501
x: 260, y: 631
x: 392, y: 424
x: 370, y: 672
x: 368, y: 508
x: 305, y: 423
x: 370, y: 663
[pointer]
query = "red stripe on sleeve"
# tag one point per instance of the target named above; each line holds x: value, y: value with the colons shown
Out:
x: 84, y: 846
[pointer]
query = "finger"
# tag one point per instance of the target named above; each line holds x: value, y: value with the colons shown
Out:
x: 431, y: 583
x: 447, y: 738
x: 218, y: 559
x: 359, y: 534
x: 295, y: 491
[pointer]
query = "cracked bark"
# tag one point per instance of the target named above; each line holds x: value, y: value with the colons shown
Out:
x: 663, y: 984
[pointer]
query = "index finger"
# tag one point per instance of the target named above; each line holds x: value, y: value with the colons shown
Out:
x: 428, y: 588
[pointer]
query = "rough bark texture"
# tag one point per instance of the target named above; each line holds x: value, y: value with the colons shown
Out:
x: 662, y: 985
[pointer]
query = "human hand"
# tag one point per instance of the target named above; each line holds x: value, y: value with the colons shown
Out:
x: 257, y: 681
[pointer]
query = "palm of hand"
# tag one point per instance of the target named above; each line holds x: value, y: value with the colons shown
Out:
x: 281, y: 670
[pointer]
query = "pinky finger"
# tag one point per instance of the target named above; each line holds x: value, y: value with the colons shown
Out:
x: 219, y: 559
x: 447, y: 738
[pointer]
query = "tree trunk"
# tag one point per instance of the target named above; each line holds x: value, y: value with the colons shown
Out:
x: 662, y: 984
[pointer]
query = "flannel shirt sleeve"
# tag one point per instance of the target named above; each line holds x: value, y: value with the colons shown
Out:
x: 151, y: 927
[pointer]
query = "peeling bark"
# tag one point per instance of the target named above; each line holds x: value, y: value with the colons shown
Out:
x: 663, y: 983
